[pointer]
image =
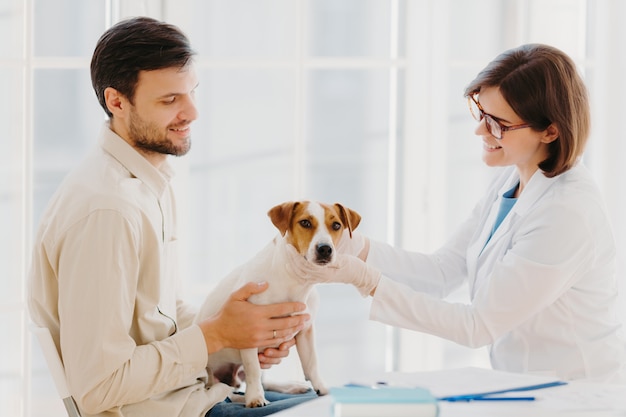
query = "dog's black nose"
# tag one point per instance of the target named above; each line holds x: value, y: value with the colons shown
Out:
x: 324, y: 251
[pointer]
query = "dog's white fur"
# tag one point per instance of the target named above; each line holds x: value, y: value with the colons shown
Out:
x: 314, y: 229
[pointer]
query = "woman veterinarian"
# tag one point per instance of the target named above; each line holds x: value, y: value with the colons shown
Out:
x: 537, y: 251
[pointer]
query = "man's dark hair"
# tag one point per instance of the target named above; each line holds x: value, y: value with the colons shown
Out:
x: 134, y: 45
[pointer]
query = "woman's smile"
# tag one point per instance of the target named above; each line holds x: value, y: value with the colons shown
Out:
x: 490, y: 148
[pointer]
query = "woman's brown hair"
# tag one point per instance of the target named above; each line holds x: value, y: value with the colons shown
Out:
x: 542, y: 86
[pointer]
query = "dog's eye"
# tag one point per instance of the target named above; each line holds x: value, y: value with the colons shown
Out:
x: 337, y: 226
x: 305, y: 223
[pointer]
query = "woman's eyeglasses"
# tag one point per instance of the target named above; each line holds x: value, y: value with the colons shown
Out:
x: 495, y: 128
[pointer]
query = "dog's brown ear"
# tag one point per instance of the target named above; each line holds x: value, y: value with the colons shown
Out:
x: 350, y: 218
x: 281, y: 215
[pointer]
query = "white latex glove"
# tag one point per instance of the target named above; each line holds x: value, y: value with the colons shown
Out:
x: 345, y: 269
x: 355, y: 245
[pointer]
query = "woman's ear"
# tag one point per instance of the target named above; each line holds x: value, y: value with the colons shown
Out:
x: 115, y: 101
x: 550, y: 134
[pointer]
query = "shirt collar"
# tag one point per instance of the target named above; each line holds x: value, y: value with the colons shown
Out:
x: 156, y: 179
x: 536, y: 187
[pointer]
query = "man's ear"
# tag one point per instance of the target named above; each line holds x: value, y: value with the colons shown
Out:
x: 550, y: 134
x: 116, y: 102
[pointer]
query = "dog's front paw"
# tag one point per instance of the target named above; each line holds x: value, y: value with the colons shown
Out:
x: 321, y: 390
x: 257, y: 402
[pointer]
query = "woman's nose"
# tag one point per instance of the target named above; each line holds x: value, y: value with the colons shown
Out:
x: 481, y: 128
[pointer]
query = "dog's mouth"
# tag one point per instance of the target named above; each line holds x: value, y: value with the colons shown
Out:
x: 319, y: 261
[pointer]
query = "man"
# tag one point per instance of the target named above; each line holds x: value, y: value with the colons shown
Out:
x: 104, y: 275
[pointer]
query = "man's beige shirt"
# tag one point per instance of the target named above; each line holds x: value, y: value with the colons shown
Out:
x: 104, y: 281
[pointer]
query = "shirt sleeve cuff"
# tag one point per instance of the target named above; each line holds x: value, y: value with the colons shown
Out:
x: 192, y: 347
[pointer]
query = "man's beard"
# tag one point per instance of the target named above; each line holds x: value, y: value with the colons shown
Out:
x: 150, y: 138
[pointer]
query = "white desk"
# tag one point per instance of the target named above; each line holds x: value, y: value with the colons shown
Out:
x: 576, y: 399
x: 321, y: 407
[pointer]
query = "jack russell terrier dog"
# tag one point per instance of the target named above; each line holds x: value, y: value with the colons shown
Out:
x: 314, y: 229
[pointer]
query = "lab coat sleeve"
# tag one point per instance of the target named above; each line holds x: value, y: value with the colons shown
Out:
x: 418, y: 271
x: 438, y: 273
x: 551, y: 250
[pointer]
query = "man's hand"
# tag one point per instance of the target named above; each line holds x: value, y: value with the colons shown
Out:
x: 273, y: 356
x: 241, y: 324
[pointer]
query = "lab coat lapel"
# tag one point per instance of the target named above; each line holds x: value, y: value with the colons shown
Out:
x: 535, y: 189
x: 484, y: 227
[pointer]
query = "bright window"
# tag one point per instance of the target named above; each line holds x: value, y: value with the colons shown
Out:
x: 353, y: 101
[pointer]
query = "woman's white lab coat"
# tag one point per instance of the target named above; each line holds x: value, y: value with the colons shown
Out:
x: 543, y: 288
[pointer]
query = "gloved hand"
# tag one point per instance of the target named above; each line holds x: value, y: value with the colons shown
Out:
x: 345, y: 269
x: 357, y: 245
